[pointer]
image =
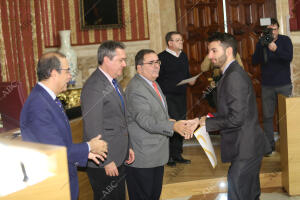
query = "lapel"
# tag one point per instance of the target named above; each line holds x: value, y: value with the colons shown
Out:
x: 62, y: 118
x: 153, y: 93
x: 163, y: 98
x: 114, y: 93
x: 224, y: 76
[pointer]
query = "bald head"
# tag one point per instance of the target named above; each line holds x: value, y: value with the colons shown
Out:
x: 48, y: 62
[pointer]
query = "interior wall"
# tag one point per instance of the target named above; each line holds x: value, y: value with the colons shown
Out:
x: 65, y: 15
x: 283, y: 18
x: 28, y: 27
x: 162, y: 19
x: 161, y: 15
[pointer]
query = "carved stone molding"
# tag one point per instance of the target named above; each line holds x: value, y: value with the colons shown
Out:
x: 87, y: 60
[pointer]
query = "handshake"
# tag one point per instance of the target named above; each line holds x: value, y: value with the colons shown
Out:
x: 186, y: 128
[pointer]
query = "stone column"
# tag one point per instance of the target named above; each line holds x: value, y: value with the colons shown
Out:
x: 161, y: 17
x: 282, y: 13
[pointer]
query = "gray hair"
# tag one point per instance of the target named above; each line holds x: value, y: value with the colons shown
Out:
x: 108, y: 48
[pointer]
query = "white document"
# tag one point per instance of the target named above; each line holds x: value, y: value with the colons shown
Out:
x: 205, y: 142
x: 185, y: 81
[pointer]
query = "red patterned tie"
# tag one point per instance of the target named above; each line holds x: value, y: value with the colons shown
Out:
x: 156, y: 90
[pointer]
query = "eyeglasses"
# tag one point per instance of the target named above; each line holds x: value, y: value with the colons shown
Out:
x: 153, y: 62
x: 178, y: 40
x: 67, y: 69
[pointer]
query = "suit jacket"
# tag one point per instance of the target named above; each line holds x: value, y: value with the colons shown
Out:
x: 236, y: 117
x: 103, y: 114
x: 148, y: 124
x: 43, y: 121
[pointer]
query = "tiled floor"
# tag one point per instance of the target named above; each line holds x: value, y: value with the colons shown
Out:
x: 223, y: 196
x: 270, y: 164
x: 268, y: 194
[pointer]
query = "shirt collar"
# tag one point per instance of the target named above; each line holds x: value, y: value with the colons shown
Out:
x: 106, y: 75
x: 149, y: 82
x: 226, y: 67
x: 50, y: 92
x: 173, y: 52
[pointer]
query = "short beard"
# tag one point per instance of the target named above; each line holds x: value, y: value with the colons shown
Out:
x: 221, y: 61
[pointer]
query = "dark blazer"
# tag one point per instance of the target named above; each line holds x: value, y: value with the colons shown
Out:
x: 148, y: 124
x: 103, y: 114
x: 236, y: 117
x: 43, y: 121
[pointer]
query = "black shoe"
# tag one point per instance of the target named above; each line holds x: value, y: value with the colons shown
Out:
x: 171, y: 162
x: 272, y: 153
x: 180, y: 159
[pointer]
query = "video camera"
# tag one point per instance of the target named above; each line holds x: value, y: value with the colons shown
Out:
x: 267, y: 37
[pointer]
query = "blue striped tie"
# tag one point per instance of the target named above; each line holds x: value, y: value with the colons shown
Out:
x: 58, y: 102
x: 114, y: 82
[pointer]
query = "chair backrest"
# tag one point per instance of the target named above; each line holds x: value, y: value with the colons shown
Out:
x: 12, y: 99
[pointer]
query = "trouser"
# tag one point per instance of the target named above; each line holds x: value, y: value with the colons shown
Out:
x: 269, y: 103
x: 177, y: 111
x: 243, y: 179
x: 107, y: 187
x: 144, y: 183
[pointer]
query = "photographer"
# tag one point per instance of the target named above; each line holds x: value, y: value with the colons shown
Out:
x: 274, y: 58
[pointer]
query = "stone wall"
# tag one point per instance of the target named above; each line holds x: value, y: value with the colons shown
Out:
x: 295, y: 70
x: 283, y: 18
x: 87, y: 61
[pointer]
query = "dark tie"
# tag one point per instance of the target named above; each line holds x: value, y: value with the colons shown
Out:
x: 114, y: 82
x: 58, y: 102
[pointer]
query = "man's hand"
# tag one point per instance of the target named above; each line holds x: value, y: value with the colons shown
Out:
x: 131, y: 157
x: 213, y: 84
x: 272, y: 46
x: 95, y: 157
x: 191, y: 83
x: 183, y: 129
x: 202, y: 121
x: 111, y: 169
x: 98, y: 146
x: 193, y: 123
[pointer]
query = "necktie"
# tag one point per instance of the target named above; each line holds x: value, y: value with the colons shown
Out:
x: 114, y: 82
x: 58, y: 102
x: 156, y: 90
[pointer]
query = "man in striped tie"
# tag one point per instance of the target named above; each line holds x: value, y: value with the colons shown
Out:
x: 43, y: 119
x: 149, y: 128
x: 104, y: 111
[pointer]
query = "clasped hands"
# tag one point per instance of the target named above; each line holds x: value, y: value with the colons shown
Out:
x: 98, y: 149
x: 186, y: 128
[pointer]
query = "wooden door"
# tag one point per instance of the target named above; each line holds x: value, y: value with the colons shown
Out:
x: 243, y: 22
x: 196, y: 19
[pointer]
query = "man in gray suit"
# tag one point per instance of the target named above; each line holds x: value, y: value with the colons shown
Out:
x: 149, y: 128
x: 103, y: 110
x: 242, y: 140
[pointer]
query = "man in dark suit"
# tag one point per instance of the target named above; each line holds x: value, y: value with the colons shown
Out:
x: 43, y: 119
x: 103, y: 110
x: 242, y: 140
x: 149, y: 128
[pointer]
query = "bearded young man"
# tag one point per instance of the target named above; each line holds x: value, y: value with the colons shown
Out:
x: 242, y: 140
